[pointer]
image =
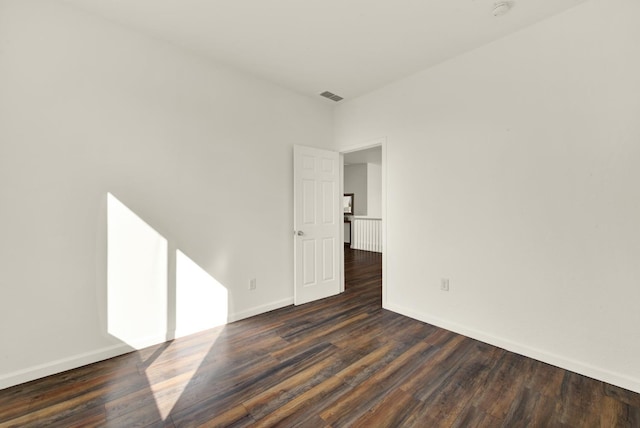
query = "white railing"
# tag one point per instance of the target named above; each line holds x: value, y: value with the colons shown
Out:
x: 367, y: 234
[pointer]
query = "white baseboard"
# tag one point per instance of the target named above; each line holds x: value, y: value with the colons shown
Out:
x: 79, y: 360
x: 582, y: 368
x: 235, y: 317
x: 257, y: 310
x: 61, y: 365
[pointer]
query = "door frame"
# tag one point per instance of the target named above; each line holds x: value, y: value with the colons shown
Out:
x: 382, y: 143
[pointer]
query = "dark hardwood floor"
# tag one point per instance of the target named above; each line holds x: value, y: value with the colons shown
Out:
x: 342, y: 361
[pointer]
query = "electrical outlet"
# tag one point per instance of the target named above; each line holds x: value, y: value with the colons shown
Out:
x: 252, y: 284
x: 444, y: 284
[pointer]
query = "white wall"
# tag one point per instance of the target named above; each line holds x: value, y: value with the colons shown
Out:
x: 86, y: 108
x: 365, y: 182
x: 355, y: 181
x: 374, y: 190
x: 513, y: 171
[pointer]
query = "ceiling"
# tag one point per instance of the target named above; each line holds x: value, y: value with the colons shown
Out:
x: 348, y: 47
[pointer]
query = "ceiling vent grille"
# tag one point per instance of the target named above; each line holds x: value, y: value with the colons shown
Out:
x: 331, y: 96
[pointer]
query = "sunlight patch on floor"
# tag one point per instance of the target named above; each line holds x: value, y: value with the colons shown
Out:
x: 139, y: 308
x: 168, y: 389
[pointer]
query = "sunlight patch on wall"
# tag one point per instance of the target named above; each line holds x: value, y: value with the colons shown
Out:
x: 136, y: 278
x: 138, y: 306
x: 201, y: 301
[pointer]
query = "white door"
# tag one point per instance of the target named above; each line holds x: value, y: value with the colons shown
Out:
x: 317, y: 222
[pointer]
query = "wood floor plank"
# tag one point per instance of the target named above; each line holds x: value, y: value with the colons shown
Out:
x: 474, y: 417
x: 372, y: 390
x: 392, y: 411
x: 338, y: 362
x: 622, y: 395
x: 365, y: 367
x: 502, y: 386
x: 445, y: 395
x: 237, y: 417
x: 276, y: 396
x: 53, y: 414
x: 304, y: 408
x: 319, y: 335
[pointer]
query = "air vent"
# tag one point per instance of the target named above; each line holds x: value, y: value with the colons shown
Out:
x: 331, y: 96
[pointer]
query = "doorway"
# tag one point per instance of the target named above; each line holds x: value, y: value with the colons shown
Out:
x: 364, y: 186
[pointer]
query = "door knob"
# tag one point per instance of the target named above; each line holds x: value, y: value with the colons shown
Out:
x: 300, y: 233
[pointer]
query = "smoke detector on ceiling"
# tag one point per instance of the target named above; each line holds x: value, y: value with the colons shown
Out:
x: 502, y: 7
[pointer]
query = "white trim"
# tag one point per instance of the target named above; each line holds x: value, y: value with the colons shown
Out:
x: 341, y: 184
x: 61, y: 365
x: 378, y: 142
x: 75, y: 361
x: 576, y: 366
x: 257, y: 310
x: 382, y: 143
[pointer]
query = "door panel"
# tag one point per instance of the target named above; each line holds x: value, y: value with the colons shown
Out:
x: 328, y: 202
x: 309, y: 202
x: 329, y: 272
x: 317, y: 222
x: 309, y: 262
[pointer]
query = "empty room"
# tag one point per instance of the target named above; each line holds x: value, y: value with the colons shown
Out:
x: 319, y: 213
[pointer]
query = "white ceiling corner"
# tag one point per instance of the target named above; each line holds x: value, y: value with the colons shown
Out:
x: 346, y: 47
